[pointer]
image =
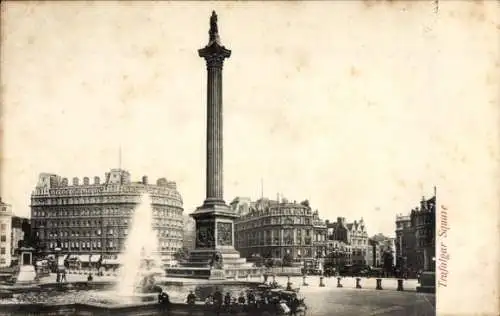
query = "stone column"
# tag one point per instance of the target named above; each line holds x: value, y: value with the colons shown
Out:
x: 214, y: 54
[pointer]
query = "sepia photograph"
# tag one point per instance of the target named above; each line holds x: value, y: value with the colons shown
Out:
x: 249, y: 158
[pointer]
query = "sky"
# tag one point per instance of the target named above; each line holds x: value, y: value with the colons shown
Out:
x: 358, y: 107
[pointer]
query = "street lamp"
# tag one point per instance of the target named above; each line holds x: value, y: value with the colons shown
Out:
x: 57, y: 251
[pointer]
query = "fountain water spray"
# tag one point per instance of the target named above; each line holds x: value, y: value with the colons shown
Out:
x: 140, y: 256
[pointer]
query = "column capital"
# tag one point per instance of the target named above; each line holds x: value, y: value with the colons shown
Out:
x: 214, y: 54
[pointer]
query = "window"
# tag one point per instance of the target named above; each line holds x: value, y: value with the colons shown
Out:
x: 3, y: 227
x: 3, y: 238
x: 2, y: 251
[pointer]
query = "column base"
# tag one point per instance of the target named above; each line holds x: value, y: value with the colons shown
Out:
x: 214, y: 208
x: 210, y: 202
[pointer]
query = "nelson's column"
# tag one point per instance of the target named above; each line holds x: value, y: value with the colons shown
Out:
x: 214, y: 255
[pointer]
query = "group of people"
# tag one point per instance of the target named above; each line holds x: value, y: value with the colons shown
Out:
x: 267, y: 299
x: 217, y: 299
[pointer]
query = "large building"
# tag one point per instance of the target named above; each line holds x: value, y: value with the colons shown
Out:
x: 415, y: 238
x: 273, y: 229
x: 354, y: 235
x: 5, y: 234
x: 92, y: 219
x: 423, y: 220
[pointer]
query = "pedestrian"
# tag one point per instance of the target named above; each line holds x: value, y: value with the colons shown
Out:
x: 241, y: 298
x: 191, y: 298
x: 227, y: 299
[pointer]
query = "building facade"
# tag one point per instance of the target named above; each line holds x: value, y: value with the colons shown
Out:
x: 353, y: 234
x: 92, y: 220
x: 5, y: 234
x: 338, y: 253
x: 372, y: 253
x: 359, y: 241
x: 423, y: 220
x: 273, y: 229
x: 415, y: 238
x: 405, y: 242
x: 383, y: 245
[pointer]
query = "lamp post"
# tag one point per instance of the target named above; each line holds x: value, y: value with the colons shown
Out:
x: 57, y: 251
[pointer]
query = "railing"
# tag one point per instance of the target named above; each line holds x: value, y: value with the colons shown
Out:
x: 284, y: 270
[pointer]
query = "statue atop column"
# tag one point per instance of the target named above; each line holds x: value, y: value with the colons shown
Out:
x: 214, y: 30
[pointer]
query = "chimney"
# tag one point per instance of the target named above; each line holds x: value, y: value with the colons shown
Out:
x: 172, y: 185
x: 86, y: 181
x: 75, y: 181
x: 97, y: 180
x: 145, y: 180
x: 161, y: 182
x: 64, y: 182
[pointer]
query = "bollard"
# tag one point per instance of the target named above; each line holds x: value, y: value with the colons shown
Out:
x: 338, y: 282
x: 321, y: 283
x: 379, y: 284
x: 400, y: 285
x: 304, y: 283
x: 358, y: 283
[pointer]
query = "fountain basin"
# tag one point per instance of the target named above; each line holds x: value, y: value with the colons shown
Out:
x: 103, y: 294
x: 144, y: 309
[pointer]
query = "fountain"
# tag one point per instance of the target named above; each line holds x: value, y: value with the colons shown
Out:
x: 141, y: 260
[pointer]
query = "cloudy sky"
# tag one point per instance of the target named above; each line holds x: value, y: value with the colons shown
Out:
x: 361, y: 108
